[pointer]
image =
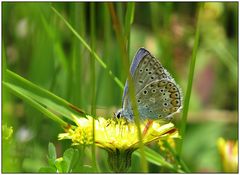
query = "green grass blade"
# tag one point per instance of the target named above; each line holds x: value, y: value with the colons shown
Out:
x: 43, y: 96
x: 120, y: 10
x: 23, y: 94
x: 122, y: 44
x: 77, y: 55
x: 128, y: 22
x: 93, y: 80
x: 190, y: 82
x: 57, y: 45
x: 119, y: 83
x: 4, y: 62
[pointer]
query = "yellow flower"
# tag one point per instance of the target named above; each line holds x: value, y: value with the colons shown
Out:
x: 229, y: 154
x: 117, y: 136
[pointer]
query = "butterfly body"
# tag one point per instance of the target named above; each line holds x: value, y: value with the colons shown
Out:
x: 157, y: 94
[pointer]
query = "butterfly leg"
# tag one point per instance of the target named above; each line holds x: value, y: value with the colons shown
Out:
x: 149, y: 123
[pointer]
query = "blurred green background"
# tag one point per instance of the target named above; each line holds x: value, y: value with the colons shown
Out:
x: 39, y: 47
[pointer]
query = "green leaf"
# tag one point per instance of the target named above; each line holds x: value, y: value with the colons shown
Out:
x: 75, y: 159
x: 51, y: 155
x: 61, y: 165
x: 52, y: 151
x: 68, y: 156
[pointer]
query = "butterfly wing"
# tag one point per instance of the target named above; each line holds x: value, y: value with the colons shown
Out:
x: 126, y: 106
x: 159, y: 99
x: 145, y: 70
x: 141, y: 53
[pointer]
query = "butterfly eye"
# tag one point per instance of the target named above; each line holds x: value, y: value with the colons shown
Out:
x: 118, y: 115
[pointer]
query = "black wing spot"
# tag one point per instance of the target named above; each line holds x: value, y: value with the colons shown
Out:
x: 145, y: 92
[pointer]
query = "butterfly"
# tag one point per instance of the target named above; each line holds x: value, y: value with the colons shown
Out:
x: 157, y: 94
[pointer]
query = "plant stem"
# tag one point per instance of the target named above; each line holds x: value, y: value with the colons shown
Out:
x: 190, y: 82
x: 122, y: 44
x: 93, y: 81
